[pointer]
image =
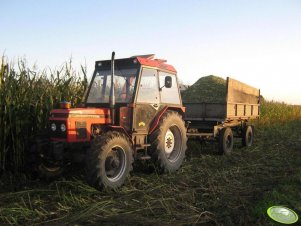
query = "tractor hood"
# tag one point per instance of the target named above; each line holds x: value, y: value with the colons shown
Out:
x: 103, y: 113
x: 76, y: 124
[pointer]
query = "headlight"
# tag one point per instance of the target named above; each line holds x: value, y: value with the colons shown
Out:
x: 53, y: 127
x: 63, y: 127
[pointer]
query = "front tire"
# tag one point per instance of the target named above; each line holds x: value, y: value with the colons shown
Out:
x: 109, y: 160
x: 41, y: 162
x: 168, y: 142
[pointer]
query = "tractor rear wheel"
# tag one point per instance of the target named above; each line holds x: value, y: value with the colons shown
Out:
x: 168, y: 142
x: 225, y: 144
x: 247, y: 136
x: 109, y: 160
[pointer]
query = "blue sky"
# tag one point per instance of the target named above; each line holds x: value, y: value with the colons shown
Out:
x: 257, y: 42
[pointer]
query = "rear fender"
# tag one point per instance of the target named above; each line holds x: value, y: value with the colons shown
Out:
x: 155, y: 123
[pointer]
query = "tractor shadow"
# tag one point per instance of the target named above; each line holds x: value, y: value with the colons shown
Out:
x: 196, y: 148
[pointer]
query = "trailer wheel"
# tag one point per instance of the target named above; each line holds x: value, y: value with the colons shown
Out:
x: 247, y: 136
x: 225, y: 144
x: 168, y: 142
x: 109, y: 160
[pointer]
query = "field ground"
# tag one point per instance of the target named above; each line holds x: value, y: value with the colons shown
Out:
x: 208, y: 189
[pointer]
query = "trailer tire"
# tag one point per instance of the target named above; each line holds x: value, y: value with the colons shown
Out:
x: 168, y: 142
x: 225, y: 144
x: 248, y: 136
x: 109, y: 160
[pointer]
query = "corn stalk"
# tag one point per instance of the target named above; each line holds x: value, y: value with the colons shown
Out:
x: 26, y: 98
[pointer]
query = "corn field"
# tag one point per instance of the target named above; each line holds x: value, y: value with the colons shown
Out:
x: 278, y: 112
x: 26, y: 98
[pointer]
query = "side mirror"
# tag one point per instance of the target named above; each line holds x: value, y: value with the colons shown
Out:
x: 168, y: 82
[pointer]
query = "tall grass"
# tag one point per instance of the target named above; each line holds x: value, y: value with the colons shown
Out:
x: 273, y: 112
x: 26, y: 97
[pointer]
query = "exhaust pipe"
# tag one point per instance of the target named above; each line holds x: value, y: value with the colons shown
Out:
x: 112, y: 93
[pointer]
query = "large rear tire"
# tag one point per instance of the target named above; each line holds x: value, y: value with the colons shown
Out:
x: 168, y: 142
x: 109, y: 160
x: 225, y: 144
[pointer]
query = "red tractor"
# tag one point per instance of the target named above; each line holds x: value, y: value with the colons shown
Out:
x: 132, y: 110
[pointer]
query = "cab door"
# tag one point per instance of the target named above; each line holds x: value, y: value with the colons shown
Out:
x: 147, y: 100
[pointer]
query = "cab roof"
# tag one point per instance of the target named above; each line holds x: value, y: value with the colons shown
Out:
x: 149, y: 60
x: 146, y: 60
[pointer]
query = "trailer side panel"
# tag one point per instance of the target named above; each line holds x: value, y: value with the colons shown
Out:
x: 205, y: 111
x: 239, y: 92
x: 242, y: 100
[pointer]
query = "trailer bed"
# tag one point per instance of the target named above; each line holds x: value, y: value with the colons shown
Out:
x: 242, y: 102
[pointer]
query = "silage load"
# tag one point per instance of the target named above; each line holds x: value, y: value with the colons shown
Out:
x: 210, y: 89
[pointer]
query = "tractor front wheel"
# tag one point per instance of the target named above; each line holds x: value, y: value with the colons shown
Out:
x: 41, y: 162
x: 109, y: 160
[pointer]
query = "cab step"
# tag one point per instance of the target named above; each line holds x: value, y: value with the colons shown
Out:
x: 142, y: 146
x: 144, y: 157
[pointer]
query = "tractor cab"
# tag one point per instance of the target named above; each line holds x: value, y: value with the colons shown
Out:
x: 143, y: 87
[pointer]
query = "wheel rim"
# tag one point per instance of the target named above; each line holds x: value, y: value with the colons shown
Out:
x: 115, y: 163
x: 173, y: 143
x: 169, y: 142
x: 49, y: 167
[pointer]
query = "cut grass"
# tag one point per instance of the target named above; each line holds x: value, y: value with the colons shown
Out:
x: 287, y: 193
x: 208, y: 189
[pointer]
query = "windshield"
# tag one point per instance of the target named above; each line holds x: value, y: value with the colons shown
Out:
x: 125, y: 80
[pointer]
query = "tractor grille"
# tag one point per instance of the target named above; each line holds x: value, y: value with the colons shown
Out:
x: 81, y: 130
